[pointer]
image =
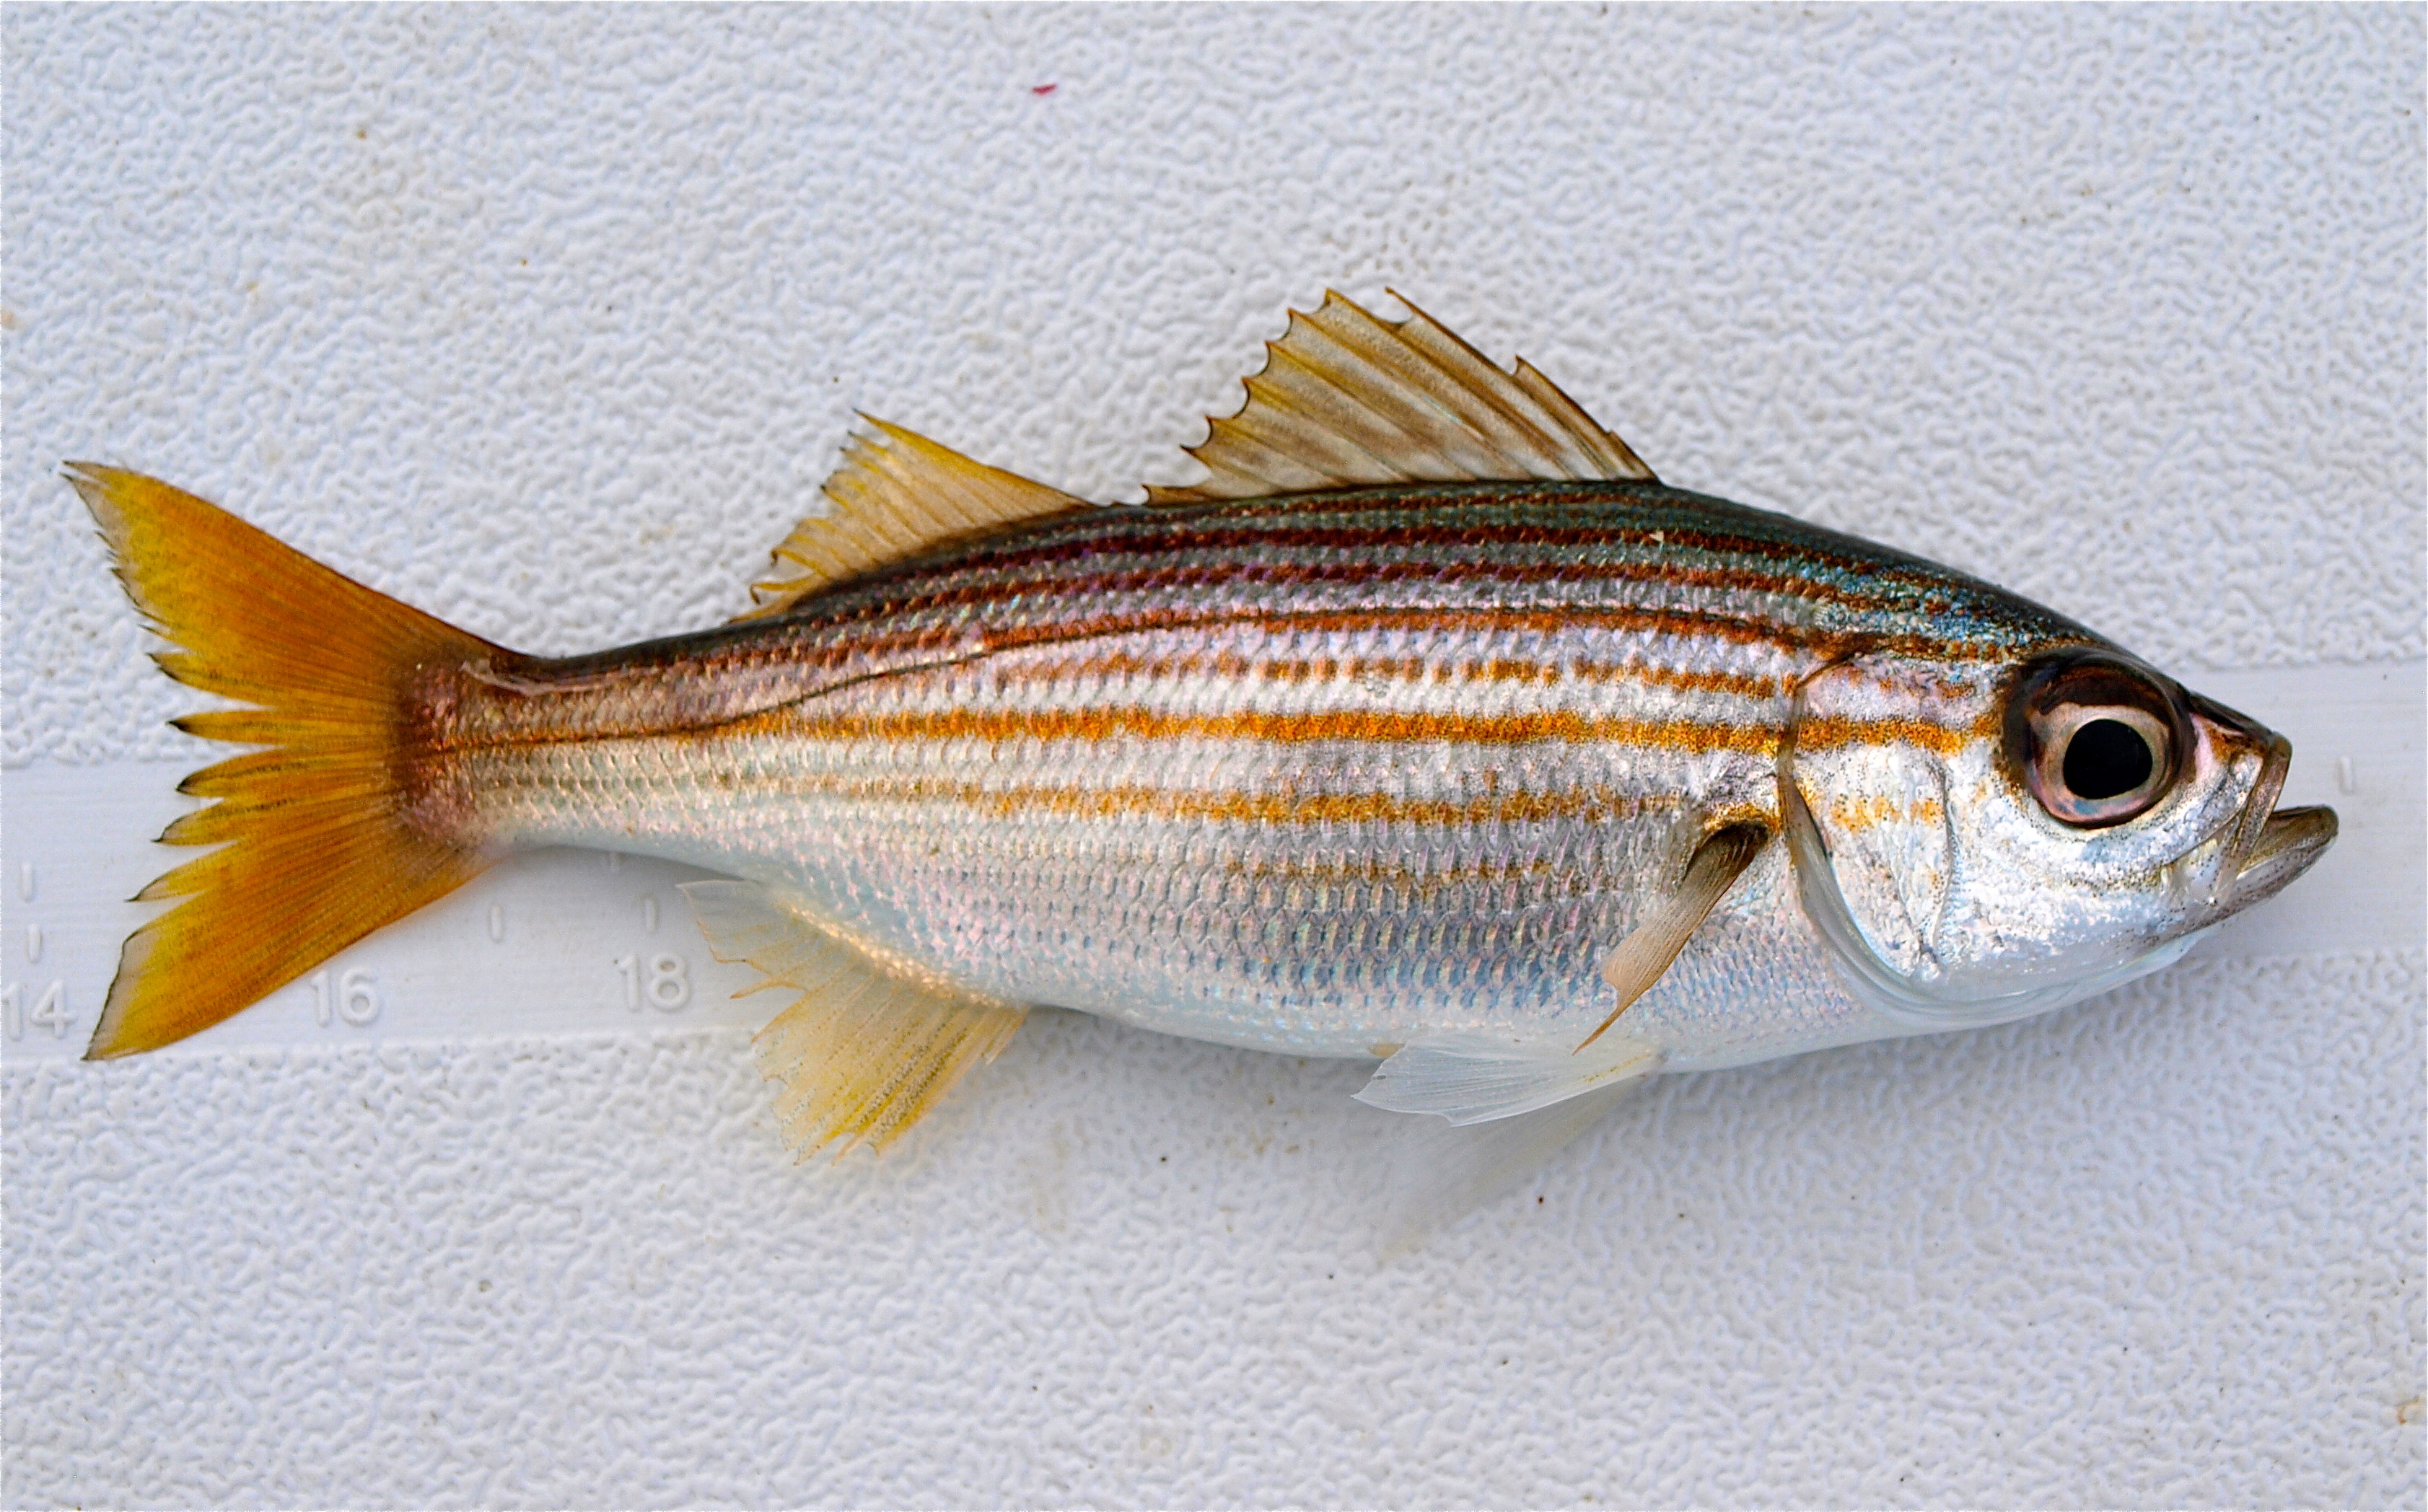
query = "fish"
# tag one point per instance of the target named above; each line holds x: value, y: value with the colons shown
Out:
x: 1429, y: 727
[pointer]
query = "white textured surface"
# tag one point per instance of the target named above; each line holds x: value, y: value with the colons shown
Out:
x: 549, y: 321
x: 2067, y: 1265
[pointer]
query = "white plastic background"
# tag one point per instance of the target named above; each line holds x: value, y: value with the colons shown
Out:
x: 549, y: 321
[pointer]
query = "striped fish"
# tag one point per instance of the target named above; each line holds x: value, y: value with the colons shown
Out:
x: 1430, y: 727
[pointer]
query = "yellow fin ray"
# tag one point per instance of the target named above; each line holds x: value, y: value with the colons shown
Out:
x: 1347, y: 400
x: 868, y: 1044
x: 896, y: 495
x: 321, y: 843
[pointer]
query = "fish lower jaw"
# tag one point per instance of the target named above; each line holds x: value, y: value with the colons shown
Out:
x: 2289, y: 844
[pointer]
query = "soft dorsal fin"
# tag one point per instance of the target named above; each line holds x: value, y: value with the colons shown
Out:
x: 1347, y: 400
x: 897, y: 492
x: 867, y: 1045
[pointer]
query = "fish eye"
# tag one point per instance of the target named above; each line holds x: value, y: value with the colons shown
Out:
x: 2097, y: 738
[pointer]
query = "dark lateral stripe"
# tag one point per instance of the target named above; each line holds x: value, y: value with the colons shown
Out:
x: 1736, y: 629
x: 1083, y: 539
x: 1281, y: 576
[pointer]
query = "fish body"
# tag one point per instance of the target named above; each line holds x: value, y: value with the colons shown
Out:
x: 1431, y: 729
x: 1315, y: 774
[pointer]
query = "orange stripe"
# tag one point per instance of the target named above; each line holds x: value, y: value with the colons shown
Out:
x: 1868, y: 809
x: 1823, y: 732
x: 1592, y: 806
x: 1595, y: 805
x: 1372, y: 728
x: 1458, y: 671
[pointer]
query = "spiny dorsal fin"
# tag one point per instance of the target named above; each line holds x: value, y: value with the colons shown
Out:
x: 897, y: 492
x: 867, y: 1047
x: 1346, y: 401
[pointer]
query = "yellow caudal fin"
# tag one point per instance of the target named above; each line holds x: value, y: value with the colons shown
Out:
x: 318, y: 845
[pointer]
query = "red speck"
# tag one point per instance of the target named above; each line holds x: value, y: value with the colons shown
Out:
x: 1043, y: 88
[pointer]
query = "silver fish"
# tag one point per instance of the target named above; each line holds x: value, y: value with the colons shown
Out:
x: 1430, y: 727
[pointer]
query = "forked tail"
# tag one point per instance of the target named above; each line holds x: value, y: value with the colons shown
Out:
x: 318, y: 841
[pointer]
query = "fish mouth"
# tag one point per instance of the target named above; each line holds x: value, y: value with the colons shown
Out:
x: 2268, y: 846
x: 2291, y: 841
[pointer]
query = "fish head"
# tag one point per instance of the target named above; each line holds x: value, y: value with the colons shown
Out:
x: 1981, y: 840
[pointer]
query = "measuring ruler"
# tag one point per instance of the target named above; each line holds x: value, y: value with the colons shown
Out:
x: 548, y: 942
x: 581, y: 942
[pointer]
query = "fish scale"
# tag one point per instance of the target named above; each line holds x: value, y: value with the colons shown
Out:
x: 1084, y: 816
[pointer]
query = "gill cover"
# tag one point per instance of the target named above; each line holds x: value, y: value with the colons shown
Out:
x: 1903, y: 849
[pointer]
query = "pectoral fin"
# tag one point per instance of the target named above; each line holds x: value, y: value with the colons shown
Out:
x: 867, y: 1045
x: 1645, y: 953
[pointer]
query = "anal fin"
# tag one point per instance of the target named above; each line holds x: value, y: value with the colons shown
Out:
x: 867, y: 1045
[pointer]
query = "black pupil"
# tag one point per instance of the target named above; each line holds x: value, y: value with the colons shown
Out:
x: 2105, y: 758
